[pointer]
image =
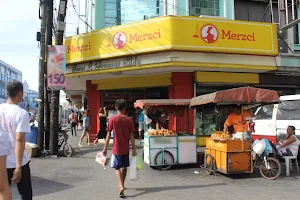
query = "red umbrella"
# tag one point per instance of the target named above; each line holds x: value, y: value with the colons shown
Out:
x: 243, y: 95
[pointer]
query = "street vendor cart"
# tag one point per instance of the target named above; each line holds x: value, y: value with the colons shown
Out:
x: 164, y: 148
x: 232, y: 155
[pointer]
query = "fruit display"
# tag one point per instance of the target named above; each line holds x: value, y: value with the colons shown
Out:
x: 161, y: 132
x: 220, y: 135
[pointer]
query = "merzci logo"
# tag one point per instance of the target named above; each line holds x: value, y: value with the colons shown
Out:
x: 119, y: 40
x: 210, y: 34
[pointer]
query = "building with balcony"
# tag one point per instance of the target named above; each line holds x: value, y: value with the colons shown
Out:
x: 7, y: 74
x: 180, y: 49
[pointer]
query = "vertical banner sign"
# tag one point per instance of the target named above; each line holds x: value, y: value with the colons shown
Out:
x: 56, y: 67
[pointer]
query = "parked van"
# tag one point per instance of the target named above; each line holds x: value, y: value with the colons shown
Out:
x: 272, y: 120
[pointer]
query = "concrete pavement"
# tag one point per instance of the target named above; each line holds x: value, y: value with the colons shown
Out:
x: 80, y: 177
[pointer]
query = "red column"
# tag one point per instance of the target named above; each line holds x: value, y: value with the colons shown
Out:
x: 94, y: 103
x: 182, y: 88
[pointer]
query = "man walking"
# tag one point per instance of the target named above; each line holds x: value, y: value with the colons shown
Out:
x: 123, y: 128
x: 15, y: 121
x: 73, y: 120
x: 5, y: 149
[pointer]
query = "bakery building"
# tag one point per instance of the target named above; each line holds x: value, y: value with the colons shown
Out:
x: 170, y: 57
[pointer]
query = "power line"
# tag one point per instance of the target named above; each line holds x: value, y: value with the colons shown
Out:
x: 30, y: 19
x: 80, y: 17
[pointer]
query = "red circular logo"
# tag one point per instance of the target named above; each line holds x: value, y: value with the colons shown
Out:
x: 209, y: 33
x: 119, y: 40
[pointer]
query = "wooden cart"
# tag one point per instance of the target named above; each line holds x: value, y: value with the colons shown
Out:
x: 228, y: 156
x: 162, y: 152
x: 235, y: 156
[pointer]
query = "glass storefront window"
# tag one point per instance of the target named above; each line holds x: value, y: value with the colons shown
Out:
x: 210, y: 118
x: 111, y: 13
x: 136, y: 10
x: 126, y: 11
x: 204, y: 7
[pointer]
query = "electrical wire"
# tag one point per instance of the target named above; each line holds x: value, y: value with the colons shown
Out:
x: 80, y: 17
x: 28, y: 16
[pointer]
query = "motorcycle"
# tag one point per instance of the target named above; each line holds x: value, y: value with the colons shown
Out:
x: 63, y: 142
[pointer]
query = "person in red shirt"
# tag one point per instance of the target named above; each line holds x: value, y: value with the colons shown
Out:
x: 123, y: 128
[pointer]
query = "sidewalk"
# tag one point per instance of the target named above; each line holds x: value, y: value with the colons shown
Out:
x: 80, y: 151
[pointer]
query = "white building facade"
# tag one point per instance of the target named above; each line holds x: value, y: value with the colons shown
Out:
x: 7, y: 73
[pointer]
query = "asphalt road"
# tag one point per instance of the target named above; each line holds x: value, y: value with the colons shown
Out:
x: 80, y: 177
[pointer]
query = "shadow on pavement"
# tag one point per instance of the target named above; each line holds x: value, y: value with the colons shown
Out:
x: 43, y: 186
x: 170, y: 188
x: 256, y: 174
x: 80, y: 152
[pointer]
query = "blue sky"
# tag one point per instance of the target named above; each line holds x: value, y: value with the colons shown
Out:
x: 19, y: 23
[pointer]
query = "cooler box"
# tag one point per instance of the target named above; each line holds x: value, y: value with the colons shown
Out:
x: 32, y: 137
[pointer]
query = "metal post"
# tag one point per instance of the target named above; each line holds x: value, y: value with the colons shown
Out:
x: 271, y: 11
x: 166, y: 7
x: 54, y: 117
x: 48, y: 92
x: 293, y: 10
x: 286, y: 12
x: 86, y: 16
x: 43, y: 18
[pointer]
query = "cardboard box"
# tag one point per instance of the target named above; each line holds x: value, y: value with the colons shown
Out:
x: 32, y: 152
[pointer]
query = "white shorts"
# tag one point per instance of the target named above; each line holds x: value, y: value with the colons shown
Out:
x: 5, y: 144
x: 141, y: 126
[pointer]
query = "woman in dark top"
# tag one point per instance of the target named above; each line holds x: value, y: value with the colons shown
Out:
x: 102, y: 119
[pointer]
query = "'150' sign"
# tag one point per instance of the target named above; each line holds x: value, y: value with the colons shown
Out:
x: 56, y: 81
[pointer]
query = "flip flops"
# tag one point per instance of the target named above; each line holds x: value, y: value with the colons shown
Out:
x: 121, y: 194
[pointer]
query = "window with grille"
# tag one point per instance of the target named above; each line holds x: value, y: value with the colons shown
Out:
x: 137, y: 10
x: 204, y: 7
x: 111, y: 13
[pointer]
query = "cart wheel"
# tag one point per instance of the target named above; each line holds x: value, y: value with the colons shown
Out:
x: 166, y: 163
x: 209, y: 164
x: 273, y: 171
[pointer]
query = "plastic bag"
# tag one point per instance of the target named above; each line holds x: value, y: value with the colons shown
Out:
x: 133, y: 172
x: 139, y: 162
x: 102, y: 159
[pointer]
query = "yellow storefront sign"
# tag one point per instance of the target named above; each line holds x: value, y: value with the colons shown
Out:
x: 174, y: 33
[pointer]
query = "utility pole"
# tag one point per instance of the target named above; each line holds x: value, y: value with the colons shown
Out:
x: 54, y: 119
x: 42, y: 62
x: 48, y: 92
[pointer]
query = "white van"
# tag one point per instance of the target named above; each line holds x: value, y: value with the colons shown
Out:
x: 272, y: 120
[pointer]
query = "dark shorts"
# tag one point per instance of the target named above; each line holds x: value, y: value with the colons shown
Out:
x: 119, y: 161
x: 74, y: 124
x: 86, y: 129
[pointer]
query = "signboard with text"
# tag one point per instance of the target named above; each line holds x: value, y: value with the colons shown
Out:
x: 165, y: 34
x: 56, y: 67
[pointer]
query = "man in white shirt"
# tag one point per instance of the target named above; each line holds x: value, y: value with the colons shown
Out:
x: 5, y: 149
x: 15, y: 121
